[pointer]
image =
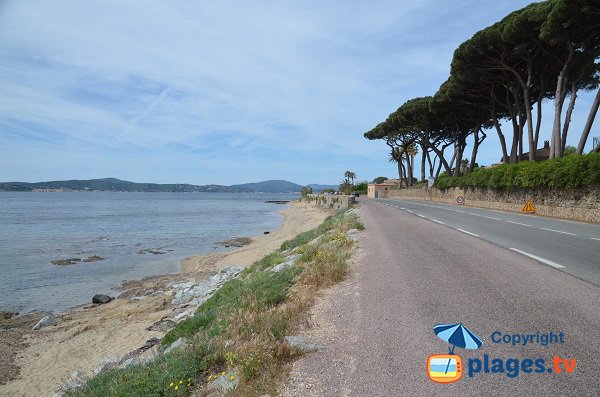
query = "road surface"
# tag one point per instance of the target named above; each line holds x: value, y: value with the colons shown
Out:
x: 573, y: 247
x: 411, y: 273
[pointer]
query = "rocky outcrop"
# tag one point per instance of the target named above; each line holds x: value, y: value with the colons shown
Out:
x: 289, y: 262
x: 72, y: 261
x: 93, y: 258
x: 301, y: 343
x: 47, y: 321
x: 235, y: 242
x: 178, y: 344
x: 162, y: 325
x: 222, y: 385
x: 197, y: 294
x: 65, y: 262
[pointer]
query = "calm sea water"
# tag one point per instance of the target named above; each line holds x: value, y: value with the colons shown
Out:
x: 36, y: 228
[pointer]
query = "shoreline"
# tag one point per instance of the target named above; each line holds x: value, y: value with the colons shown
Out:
x: 86, y: 335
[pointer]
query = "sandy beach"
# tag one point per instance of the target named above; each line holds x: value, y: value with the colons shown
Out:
x: 87, y: 335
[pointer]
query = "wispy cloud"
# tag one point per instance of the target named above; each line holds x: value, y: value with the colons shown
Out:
x: 213, y: 91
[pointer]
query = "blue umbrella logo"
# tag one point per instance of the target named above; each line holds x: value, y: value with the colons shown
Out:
x: 457, y: 335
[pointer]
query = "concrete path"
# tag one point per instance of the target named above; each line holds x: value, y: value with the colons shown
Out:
x: 411, y: 273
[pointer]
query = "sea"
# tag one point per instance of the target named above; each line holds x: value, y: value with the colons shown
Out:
x: 139, y: 234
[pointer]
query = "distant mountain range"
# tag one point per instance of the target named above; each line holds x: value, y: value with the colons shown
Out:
x: 117, y: 185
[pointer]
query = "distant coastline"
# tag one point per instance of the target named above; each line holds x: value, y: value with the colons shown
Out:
x: 117, y: 185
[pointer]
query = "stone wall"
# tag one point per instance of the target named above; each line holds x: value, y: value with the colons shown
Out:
x: 335, y: 201
x: 578, y: 204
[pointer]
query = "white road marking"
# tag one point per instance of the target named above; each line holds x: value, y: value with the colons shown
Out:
x: 436, y: 221
x: 422, y: 216
x: 594, y: 238
x: 558, y: 231
x: 518, y: 223
x: 410, y: 211
x: 491, y: 217
x: 464, y: 231
x: 537, y: 258
x: 470, y: 213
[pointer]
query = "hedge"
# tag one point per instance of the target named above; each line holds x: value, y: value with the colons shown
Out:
x: 564, y: 173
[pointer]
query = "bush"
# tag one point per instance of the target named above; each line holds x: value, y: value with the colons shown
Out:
x: 564, y: 173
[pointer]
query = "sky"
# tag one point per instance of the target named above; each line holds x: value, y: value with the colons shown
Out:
x: 223, y: 91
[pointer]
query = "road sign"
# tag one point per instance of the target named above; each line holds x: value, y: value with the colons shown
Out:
x: 528, y: 207
x: 460, y: 200
x: 430, y: 181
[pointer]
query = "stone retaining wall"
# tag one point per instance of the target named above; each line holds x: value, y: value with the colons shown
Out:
x: 335, y: 201
x: 578, y: 204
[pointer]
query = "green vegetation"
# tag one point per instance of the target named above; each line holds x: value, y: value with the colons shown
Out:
x: 563, y: 173
x: 306, y: 190
x: 546, y: 51
x: 243, y: 324
x: 347, y: 185
x: 380, y: 179
x: 362, y: 187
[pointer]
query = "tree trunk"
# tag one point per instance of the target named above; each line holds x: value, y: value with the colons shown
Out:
x: 589, y: 123
x: 400, y: 173
x: 522, y: 121
x: 558, y: 104
x: 501, y: 137
x: 409, y: 169
x: 440, y: 155
x: 423, y: 160
x: 527, y: 101
x: 515, y: 141
x: 476, y: 143
x: 460, y: 147
x: 538, y: 124
x: 565, y: 131
x: 431, y: 165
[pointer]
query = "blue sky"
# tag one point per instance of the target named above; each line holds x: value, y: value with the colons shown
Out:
x: 222, y: 92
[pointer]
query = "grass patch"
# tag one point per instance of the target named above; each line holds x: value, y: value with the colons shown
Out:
x: 243, y: 324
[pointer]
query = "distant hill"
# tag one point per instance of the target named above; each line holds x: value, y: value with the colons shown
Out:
x: 319, y: 188
x: 117, y: 185
x: 274, y: 186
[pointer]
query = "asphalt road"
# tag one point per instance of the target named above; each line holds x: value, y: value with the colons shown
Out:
x: 411, y: 273
x: 572, y: 247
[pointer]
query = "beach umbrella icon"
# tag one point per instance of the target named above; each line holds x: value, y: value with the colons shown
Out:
x: 457, y: 335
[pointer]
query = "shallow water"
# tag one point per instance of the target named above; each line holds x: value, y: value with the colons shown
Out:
x: 36, y: 228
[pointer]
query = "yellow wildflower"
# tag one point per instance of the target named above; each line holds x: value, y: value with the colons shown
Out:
x: 176, y: 387
x: 171, y: 384
x: 180, y: 382
x: 223, y: 373
x: 231, y: 377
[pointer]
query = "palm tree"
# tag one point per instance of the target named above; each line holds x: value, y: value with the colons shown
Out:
x: 350, y: 175
x: 412, y: 150
x: 397, y: 156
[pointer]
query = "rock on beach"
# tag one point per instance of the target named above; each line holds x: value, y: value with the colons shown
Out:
x: 101, y: 299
